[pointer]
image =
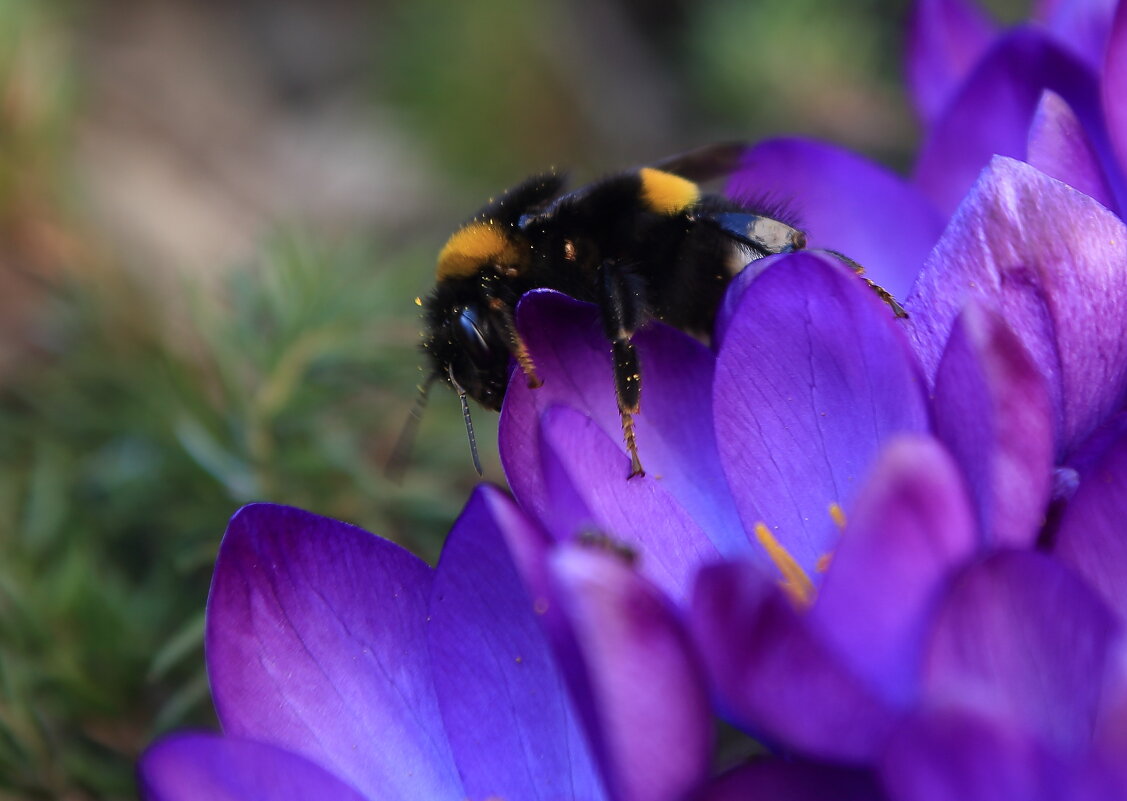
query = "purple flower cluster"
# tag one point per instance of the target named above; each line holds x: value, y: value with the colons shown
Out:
x: 892, y: 551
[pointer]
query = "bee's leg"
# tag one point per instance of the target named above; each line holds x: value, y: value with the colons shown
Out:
x: 517, y: 346
x: 623, y: 306
x: 515, y: 341
x: 882, y: 293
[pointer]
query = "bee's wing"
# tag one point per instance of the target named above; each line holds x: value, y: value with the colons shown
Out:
x: 705, y: 163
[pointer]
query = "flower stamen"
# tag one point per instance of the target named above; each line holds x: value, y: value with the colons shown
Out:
x: 838, y: 515
x: 795, y: 582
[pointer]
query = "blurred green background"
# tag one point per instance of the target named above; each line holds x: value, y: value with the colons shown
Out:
x: 214, y: 217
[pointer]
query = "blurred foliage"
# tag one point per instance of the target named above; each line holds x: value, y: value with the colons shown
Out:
x: 138, y: 412
x: 122, y: 462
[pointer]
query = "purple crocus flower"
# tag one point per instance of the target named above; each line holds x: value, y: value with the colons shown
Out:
x: 952, y: 675
x: 343, y: 667
x: 899, y: 544
x: 1013, y: 361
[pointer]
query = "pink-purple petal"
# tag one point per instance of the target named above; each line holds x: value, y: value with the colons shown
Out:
x: 199, y: 767
x: 505, y: 704
x: 791, y: 780
x: 946, y: 38
x: 1092, y: 536
x: 992, y: 111
x: 675, y: 437
x: 1113, y: 85
x: 772, y: 675
x: 1080, y: 25
x: 1059, y: 147
x: 1021, y: 641
x: 813, y: 377
x: 836, y: 196
x: 910, y: 529
x: 992, y: 411
x: 571, y: 356
x: 652, y: 706
x: 1053, y: 263
x: 586, y: 473
x: 955, y: 755
x: 316, y: 642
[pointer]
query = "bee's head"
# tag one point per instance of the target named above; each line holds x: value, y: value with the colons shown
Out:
x: 467, y: 347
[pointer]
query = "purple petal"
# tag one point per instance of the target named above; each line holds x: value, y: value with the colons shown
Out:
x: 813, y: 377
x: 1105, y: 773
x: 992, y: 410
x: 1093, y: 530
x: 642, y: 512
x: 1114, y: 85
x: 1060, y: 148
x: 778, y: 780
x: 910, y: 529
x: 1080, y: 25
x: 836, y: 196
x: 946, y: 38
x: 650, y: 698
x: 316, y: 643
x: 773, y: 676
x: 675, y: 436
x: 1022, y: 642
x: 505, y: 704
x: 992, y: 112
x: 1053, y: 264
x: 190, y: 767
x: 951, y: 755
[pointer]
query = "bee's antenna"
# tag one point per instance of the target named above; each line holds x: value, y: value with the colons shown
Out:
x: 469, y: 423
x: 401, y: 453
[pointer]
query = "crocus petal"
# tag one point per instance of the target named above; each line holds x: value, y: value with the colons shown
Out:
x: 812, y: 378
x: 192, y: 767
x: 674, y: 430
x: 836, y: 195
x: 1080, y: 25
x: 591, y: 495
x: 953, y: 755
x: 945, y: 40
x: 504, y: 702
x: 1022, y: 641
x: 992, y: 410
x: 992, y: 111
x: 652, y: 707
x: 1059, y: 147
x: 1053, y: 263
x: 1114, y: 85
x: 776, y: 780
x: 1093, y: 530
x: 316, y: 642
x: 909, y: 531
x: 773, y: 676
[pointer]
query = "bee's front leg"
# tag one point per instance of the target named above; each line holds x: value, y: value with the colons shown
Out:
x: 622, y: 302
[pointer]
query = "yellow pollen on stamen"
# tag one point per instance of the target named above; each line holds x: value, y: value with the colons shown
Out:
x: 838, y: 515
x: 823, y: 563
x: 795, y: 582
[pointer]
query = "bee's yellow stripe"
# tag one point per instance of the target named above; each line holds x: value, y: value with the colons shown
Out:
x: 666, y: 193
x: 474, y: 246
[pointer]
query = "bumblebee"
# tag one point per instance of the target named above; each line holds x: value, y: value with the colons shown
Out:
x: 645, y: 244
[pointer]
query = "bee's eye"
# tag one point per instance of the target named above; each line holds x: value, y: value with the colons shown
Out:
x: 468, y: 331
